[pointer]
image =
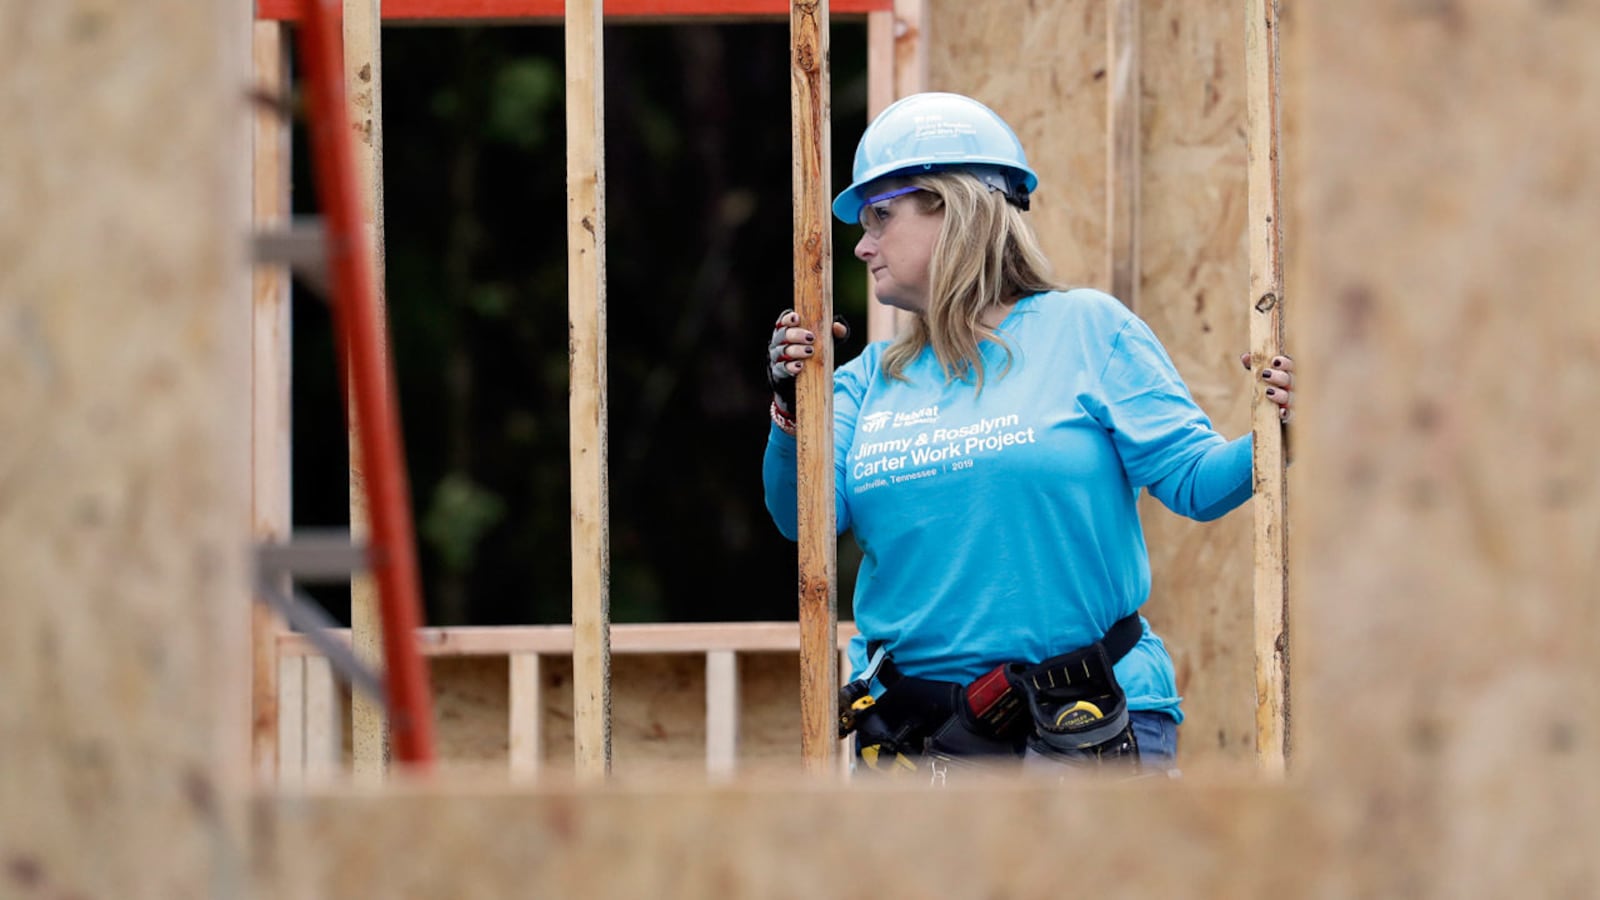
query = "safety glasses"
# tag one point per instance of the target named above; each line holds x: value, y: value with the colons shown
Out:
x: 875, y: 212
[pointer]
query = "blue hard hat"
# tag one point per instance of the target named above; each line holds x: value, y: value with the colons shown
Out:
x: 937, y: 131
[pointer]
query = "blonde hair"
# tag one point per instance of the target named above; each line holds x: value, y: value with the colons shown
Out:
x: 985, y: 255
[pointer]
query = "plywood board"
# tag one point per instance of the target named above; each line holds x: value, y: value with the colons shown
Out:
x: 124, y: 462
x: 1042, y: 67
x: 1046, y: 70
x: 1194, y: 280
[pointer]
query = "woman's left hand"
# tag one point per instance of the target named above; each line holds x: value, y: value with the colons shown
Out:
x: 1278, y: 377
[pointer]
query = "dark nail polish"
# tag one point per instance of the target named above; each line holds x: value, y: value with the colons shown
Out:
x: 1271, y: 392
x: 810, y: 338
x: 1277, y: 363
x: 1265, y: 375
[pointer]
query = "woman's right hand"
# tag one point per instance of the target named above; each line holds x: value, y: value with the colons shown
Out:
x: 788, y: 351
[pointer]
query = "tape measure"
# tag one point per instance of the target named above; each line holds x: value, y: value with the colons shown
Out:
x: 1079, y: 715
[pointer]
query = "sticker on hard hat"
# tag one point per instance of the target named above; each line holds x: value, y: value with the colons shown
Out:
x: 943, y: 128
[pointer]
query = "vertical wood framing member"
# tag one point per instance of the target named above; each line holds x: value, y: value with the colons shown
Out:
x: 362, y: 53
x: 897, y: 65
x: 321, y: 729
x: 1266, y: 341
x: 881, y: 28
x: 270, y: 426
x: 813, y: 300
x: 1122, y: 150
x: 586, y: 312
x: 527, y: 709
x: 291, y: 731
x: 910, y: 47
x: 722, y: 712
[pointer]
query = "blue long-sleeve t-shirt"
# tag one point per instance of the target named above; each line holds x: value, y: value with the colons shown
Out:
x: 1003, y: 526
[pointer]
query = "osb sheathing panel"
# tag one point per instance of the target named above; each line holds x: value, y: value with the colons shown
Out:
x: 1043, y: 67
x: 1445, y: 549
x: 1448, y: 516
x: 758, y: 839
x: 1194, y: 277
x: 124, y: 449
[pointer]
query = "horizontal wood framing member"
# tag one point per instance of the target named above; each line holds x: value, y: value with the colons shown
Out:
x: 503, y: 640
x: 424, y: 10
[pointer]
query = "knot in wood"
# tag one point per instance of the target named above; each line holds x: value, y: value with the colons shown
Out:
x: 1267, y: 302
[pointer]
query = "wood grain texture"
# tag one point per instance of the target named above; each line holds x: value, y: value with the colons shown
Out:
x: 638, y: 10
x: 125, y: 457
x: 1448, y: 511
x: 525, y: 725
x: 271, y: 423
x: 765, y: 839
x: 722, y: 712
x: 1042, y: 67
x: 1265, y: 303
x: 363, y: 82
x: 1195, y: 270
x: 586, y: 266
x: 813, y: 301
x: 882, y: 28
x: 291, y: 730
x: 897, y: 66
x: 1447, y: 505
x: 661, y: 637
x: 1048, y: 71
x: 1124, y: 90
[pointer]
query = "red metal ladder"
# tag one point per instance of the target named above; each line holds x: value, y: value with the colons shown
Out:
x: 390, y: 555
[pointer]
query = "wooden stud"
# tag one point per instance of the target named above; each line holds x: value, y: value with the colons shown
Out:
x: 722, y: 713
x: 1266, y: 341
x: 363, y: 93
x: 527, y: 713
x: 897, y: 65
x: 911, y: 19
x: 291, y: 731
x: 323, y: 734
x: 270, y: 378
x: 881, y: 27
x: 586, y: 246
x: 1123, y: 90
x: 813, y: 300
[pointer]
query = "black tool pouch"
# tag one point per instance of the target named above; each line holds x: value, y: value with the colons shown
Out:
x: 990, y: 720
x: 905, y: 715
x: 1079, y: 711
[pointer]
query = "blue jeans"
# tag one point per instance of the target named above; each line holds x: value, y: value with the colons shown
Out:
x: 1157, y: 735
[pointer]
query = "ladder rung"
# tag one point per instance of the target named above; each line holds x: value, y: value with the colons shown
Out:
x: 303, y: 247
x: 312, y: 557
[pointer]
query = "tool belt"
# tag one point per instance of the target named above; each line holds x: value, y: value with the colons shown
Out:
x: 1067, y: 708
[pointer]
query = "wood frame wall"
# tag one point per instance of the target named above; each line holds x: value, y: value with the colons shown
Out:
x: 1105, y: 63
x: 1448, y: 510
x: 896, y: 66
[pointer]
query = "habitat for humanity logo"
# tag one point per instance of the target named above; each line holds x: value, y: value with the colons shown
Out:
x: 880, y: 420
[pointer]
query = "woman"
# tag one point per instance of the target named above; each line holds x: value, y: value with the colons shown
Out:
x: 988, y: 462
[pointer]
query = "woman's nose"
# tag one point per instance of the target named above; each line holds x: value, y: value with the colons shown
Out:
x: 865, y: 247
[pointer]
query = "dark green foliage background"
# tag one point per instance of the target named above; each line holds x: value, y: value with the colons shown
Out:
x: 699, y: 262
